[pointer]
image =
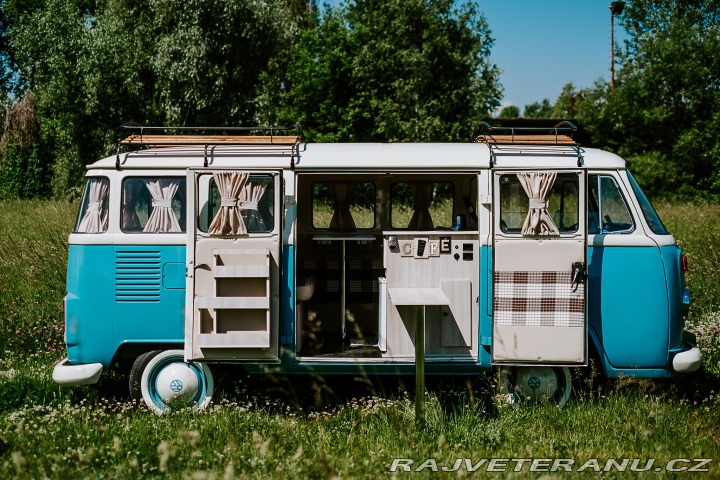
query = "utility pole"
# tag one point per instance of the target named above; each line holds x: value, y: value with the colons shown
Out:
x: 616, y: 8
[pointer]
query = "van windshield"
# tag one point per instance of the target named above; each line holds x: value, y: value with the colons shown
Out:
x: 648, y: 211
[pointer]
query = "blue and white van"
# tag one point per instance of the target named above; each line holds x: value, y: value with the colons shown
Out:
x: 520, y: 251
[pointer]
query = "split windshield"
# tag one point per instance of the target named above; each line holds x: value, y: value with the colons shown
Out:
x: 648, y: 211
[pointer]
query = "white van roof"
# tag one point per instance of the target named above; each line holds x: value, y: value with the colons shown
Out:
x: 365, y: 156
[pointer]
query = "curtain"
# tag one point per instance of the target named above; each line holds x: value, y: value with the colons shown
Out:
x: 130, y: 220
x: 342, y: 196
x: 162, y: 218
x: 228, y: 220
x: 252, y: 193
x: 422, y: 194
x: 95, y: 218
x: 537, y: 186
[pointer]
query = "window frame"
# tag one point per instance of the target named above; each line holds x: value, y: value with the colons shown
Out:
x: 183, y: 186
x: 205, y: 180
x: 435, y: 227
x: 618, y: 188
x: 328, y: 182
x: 84, y: 203
x: 517, y: 234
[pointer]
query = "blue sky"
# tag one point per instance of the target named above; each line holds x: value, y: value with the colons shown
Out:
x: 540, y: 45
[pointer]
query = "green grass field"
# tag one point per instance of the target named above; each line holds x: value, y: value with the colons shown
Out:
x: 279, y: 427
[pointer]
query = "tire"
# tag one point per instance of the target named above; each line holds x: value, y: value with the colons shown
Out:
x: 536, y: 384
x: 165, y: 382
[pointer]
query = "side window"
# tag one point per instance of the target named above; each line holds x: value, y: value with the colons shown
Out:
x: 562, y: 204
x: 93, y: 216
x: 421, y: 205
x: 343, y: 205
x: 255, y: 201
x: 607, y: 210
x: 153, y: 205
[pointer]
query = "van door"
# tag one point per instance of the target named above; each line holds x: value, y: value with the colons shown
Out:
x: 233, y: 258
x: 539, y: 263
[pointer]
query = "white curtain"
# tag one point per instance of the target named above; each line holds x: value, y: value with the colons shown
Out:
x: 95, y: 218
x: 252, y: 193
x: 162, y: 218
x: 537, y: 186
x: 228, y: 220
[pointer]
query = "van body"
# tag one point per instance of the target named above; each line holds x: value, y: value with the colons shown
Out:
x: 280, y: 256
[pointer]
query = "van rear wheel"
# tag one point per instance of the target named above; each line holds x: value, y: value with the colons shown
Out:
x: 165, y: 382
x: 536, y: 384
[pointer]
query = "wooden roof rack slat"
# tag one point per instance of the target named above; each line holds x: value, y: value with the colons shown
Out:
x: 154, y: 137
x: 559, y: 135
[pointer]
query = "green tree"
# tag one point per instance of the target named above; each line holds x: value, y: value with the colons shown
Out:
x: 541, y: 109
x: 389, y: 71
x: 664, y: 113
x: 511, y: 111
x: 93, y: 65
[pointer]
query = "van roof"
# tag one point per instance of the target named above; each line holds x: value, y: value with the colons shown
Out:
x: 364, y: 156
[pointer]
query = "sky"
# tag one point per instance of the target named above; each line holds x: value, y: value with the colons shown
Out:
x: 541, y: 45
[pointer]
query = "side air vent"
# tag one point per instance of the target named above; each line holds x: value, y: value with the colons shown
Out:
x: 137, y: 275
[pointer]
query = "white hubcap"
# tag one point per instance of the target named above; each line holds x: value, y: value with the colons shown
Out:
x: 177, y: 384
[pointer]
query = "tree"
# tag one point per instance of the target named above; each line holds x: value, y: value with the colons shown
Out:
x: 93, y: 65
x: 389, y: 71
x: 511, y: 111
x: 664, y: 113
x: 541, y: 109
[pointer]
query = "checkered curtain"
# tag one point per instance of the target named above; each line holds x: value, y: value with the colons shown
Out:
x: 228, y: 220
x: 537, y: 186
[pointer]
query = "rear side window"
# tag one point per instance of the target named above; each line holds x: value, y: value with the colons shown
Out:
x: 93, y: 216
x: 421, y: 205
x: 343, y: 205
x: 153, y: 205
x: 607, y: 209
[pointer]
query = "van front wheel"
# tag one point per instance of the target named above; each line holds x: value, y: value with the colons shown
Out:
x: 536, y: 384
x: 166, y: 382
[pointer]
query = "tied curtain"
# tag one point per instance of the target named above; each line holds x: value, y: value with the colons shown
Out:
x: 422, y: 194
x: 95, y: 219
x: 162, y: 218
x: 537, y: 186
x: 342, y: 196
x: 238, y: 205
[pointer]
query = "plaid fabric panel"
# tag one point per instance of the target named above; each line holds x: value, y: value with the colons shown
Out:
x: 327, y: 278
x: 361, y: 277
x: 538, y: 299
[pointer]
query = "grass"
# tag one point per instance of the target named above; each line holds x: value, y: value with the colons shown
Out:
x: 307, y: 427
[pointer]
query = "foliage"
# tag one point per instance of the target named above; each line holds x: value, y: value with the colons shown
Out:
x: 511, y: 111
x: 664, y: 113
x: 93, y: 65
x: 541, y: 109
x: 388, y: 71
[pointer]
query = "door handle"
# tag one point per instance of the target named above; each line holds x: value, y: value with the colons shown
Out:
x: 578, y: 275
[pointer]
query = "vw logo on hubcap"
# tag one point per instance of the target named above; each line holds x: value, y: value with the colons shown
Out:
x: 176, y: 386
x: 534, y: 383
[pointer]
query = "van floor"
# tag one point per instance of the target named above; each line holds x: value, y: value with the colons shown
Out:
x: 332, y: 346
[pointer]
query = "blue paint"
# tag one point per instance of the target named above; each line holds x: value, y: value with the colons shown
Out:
x: 628, y: 305
x: 89, y: 304
x: 485, y: 312
x: 287, y: 298
x: 145, y: 310
x: 117, y: 294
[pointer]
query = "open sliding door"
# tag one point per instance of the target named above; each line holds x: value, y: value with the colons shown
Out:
x: 539, y: 259
x: 233, y: 258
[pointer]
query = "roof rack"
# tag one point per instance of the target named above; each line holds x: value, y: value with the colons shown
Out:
x: 158, y: 137
x: 559, y: 135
